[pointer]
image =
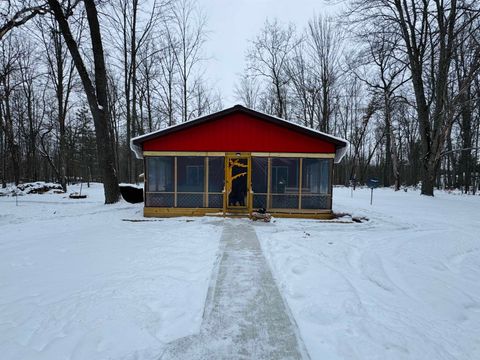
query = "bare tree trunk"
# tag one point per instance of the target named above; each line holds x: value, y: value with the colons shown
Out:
x: 388, y: 145
x: 3, y: 148
x: 476, y: 185
x: 280, y: 102
x: 12, y: 145
x: 62, y: 111
x: 466, y: 160
x: 133, y: 65
x: 96, y: 96
x: 395, y: 161
x: 127, y: 84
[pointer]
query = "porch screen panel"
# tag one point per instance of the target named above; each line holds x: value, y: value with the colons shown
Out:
x: 259, y: 182
x: 316, y: 183
x: 216, y: 181
x: 190, y: 181
x: 160, y: 181
x: 284, y: 185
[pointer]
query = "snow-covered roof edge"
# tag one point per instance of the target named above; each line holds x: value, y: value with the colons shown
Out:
x: 339, y: 152
x: 137, y: 149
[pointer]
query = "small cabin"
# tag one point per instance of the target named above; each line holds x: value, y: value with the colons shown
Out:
x: 236, y: 161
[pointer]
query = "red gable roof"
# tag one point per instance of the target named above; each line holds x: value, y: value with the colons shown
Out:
x: 239, y: 129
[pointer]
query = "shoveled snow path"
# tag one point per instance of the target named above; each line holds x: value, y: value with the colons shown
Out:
x: 245, y: 316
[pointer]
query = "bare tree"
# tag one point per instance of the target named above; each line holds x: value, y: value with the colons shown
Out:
x: 204, y: 100
x: 325, y: 41
x: 247, y: 91
x: 96, y: 91
x: 167, y: 81
x: 29, y: 107
x: 186, y: 36
x: 9, y: 59
x: 16, y: 14
x: 381, y: 69
x: 268, y: 58
x: 305, y: 87
x: 465, y: 62
x: 60, y: 71
x: 133, y: 25
x: 153, y: 79
x: 429, y: 30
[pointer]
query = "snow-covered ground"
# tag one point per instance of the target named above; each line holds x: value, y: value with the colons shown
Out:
x: 404, y: 285
x: 77, y: 282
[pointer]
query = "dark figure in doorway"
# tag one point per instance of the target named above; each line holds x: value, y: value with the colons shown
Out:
x: 232, y: 199
x: 242, y: 192
x: 238, y: 193
x: 237, y: 197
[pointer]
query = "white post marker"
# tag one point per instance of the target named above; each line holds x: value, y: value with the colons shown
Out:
x: 352, y: 183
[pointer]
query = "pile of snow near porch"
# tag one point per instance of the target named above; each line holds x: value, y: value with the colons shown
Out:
x: 403, y: 285
x: 38, y: 187
x: 77, y: 282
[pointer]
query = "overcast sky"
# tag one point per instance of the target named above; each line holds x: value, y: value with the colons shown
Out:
x: 231, y: 24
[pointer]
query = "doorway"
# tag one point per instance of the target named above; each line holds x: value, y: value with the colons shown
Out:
x: 237, y: 180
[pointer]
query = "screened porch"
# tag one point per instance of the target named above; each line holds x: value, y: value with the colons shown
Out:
x: 278, y: 184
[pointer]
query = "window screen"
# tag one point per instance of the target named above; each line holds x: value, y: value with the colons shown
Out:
x: 316, y: 176
x: 190, y: 174
x: 316, y: 183
x: 216, y: 174
x: 160, y: 174
x: 284, y: 183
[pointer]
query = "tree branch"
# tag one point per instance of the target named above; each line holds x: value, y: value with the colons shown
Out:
x: 21, y: 17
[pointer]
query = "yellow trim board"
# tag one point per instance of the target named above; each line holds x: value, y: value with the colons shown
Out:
x: 238, y: 154
x: 295, y: 155
x: 182, y: 153
x: 257, y: 154
x: 322, y: 216
x: 176, y: 212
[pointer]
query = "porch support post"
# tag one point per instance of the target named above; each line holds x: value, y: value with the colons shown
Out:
x: 205, y: 196
x: 249, y: 186
x: 175, y: 182
x: 269, y: 180
x: 330, y: 173
x: 300, y: 184
x: 225, y: 186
